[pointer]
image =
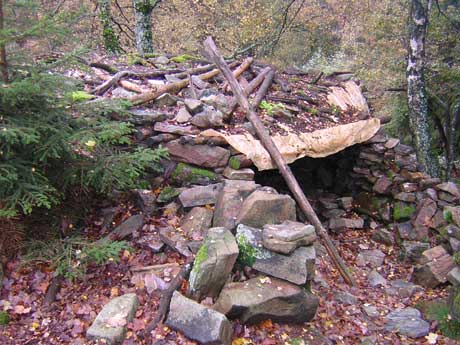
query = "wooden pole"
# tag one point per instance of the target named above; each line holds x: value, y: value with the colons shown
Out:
x: 284, y: 169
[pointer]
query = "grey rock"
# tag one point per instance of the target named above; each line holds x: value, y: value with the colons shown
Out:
x: 376, y: 279
x: 333, y: 213
x: 175, y: 239
x: 145, y: 200
x: 407, y: 322
x: 403, y: 289
x: 449, y: 187
x: 405, y: 231
x: 166, y: 100
x: 241, y: 174
x: 403, y: 149
x: 432, y: 194
x: 392, y: 143
x: 453, y: 214
x: 200, y: 195
x: 201, y: 155
x: 372, y: 257
x: 183, y: 115
x: 424, y: 212
x: 229, y: 202
x: 201, y: 84
x: 197, y: 322
x: 409, y: 187
x: 262, y: 208
x: 454, y: 276
x: 346, y: 298
x: 383, y: 185
x: 196, y: 223
x: 120, y: 92
x: 208, y: 118
x: 147, y: 116
x: 446, y: 197
x: 110, y: 323
x: 412, y: 250
x: 160, y: 60
x: 213, y: 263
x: 132, y: 224
x: 346, y: 203
x: 263, y: 298
x: 219, y: 102
x: 383, y: 236
x: 454, y: 244
x: 371, y: 310
x: 287, y: 236
x: 346, y: 223
x: 429, y: 182
x: 165, y: 127
x: 194, y: 106
x: 297, y: 268
x: 407, y: 197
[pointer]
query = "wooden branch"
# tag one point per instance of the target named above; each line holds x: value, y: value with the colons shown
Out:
x: 166, y: 296
x: 264, y: 88
x: 275, y: 154
x: 173, y: 87
x: 243, y: 67
x: 193, y: 71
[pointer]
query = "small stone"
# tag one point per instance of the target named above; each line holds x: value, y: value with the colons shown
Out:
x: 147, y: 117
x: 194, y: 106
x: 454, y: 276
x: 371, y: 310
x: 346, y: 203
x: 120, y: 92
x: 208, y: 118
x: 449, y: 187
x: 383, y: 236
x: 409, y: 187
x: 429, y: 182
x: 376, y: 279
x: 241, y: 174
x: 219, y: 102
x: 145, y: 200
x: 346, y: 223
x: 403, y: 289
x: 372, y: 257
x: 407, y: 197
x: 392, y: 143
x: 197, y: 322
x: 110, y: 323
x: 200, y: 195
x: 447, y: 197
x: 175, y: 239
x: 346, y: 298
x: 453, y: 231
x: 383, y: 185
x: 288, y: 236
x: 452, y: 214
x: 413, y: 250
x: 196, y: 223
x: 404, y: 149
x: 432, y: 194
x: 454, y: 244
x: 166, y: 100
x: 407, y: 322
x: 161, y: 60
x: 183, y: 115
x: 405, y: 231
x: 128, y: 227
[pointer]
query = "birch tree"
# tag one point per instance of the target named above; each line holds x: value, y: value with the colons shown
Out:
x: 416, y: 92
x: 143, y: 14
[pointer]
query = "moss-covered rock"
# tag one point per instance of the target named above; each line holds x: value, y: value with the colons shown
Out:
x: 402, y: 211
x: 186, y: 174
x: 183, y: 58
x: 168, y: 193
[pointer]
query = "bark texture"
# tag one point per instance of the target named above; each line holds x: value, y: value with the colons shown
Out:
x: 111, y: 43
x: 3, y: 62
x: 416, y: 92
x: 143, y: 15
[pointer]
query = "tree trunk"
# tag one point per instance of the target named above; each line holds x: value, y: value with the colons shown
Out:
x: 111, y: 43
x: 416, y: 93
x: 143, y: 15
x: 3, y: 61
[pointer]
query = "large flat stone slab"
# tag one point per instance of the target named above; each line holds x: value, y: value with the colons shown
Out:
x: 263, y: 298
x: 297, y: 268
x: 201, y: 155
x: 200, y: 195
x: 197, y: 322
x: 110, y: 323
x: 284, y: 238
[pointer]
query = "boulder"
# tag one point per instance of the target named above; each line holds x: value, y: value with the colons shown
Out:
x: 200, y: 195
x: 201, y: 155
x: 263, y: 298
x: 229, y: 202
x: 297, y: 268
x: 287, y: 236
x: 407, y: 322
x: 197, y: 322
x: 262, y: 208
x: 213, y: 263
x: 194, y: 106
x: 110, y: 323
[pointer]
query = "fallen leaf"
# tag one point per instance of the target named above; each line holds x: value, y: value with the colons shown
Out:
x: 432, y: 338
x: 20, y: 309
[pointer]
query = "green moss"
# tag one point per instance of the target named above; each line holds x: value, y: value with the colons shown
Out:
x: 167, y: 194
x: 296, y: 341
x: 4, y: 318
x: 183, y: 58
x: 247, y: 253
x: 402, y: 211
x: 448, y: 326
x: 185, y: 173
x: 234, y: 163
x: 79, y: 96
x: 448, y: 217
x: 134, y: 59
x: 201, y: 256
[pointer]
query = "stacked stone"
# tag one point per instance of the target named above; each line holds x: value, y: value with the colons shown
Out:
x: 414, y: 206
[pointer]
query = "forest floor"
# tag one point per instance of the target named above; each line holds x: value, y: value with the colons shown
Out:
x: 78, y: 302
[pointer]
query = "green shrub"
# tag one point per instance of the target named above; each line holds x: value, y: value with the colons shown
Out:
x: 71, y: 257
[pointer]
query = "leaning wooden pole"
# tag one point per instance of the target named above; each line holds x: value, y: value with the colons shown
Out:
x: 284, y: 169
